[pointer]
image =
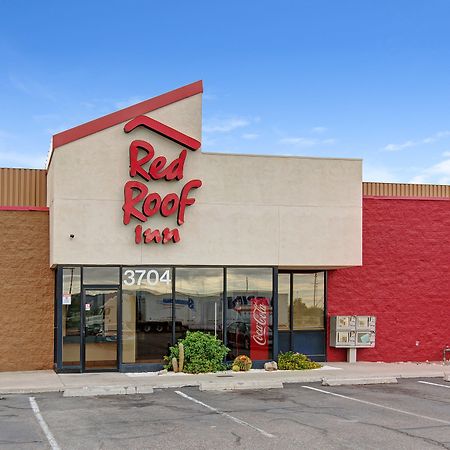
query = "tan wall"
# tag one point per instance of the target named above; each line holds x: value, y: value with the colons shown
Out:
x: 251, y: 210
x: 26, y: 292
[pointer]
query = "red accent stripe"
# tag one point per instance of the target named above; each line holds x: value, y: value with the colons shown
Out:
x: 23, y: 208
x: 387, y: 197
x: 164, y: 130
x: 126, y: 114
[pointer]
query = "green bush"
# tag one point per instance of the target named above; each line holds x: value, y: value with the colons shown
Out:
x: 202, y: 353
x: 295, y: 361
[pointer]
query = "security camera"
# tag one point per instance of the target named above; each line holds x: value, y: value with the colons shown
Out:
x: 72, y: 236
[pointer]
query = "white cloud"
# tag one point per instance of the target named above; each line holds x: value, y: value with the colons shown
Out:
x: 396, y: 147
x: 378, y: 174
x: 438, y: 173
x: 428, y: 140
x: 31, y: 87
x: 318, y: 130
x: 446, y: 154
x: 306, y: 142
x: 300, y: 141
x: 128, y: 102
x: 250, y: 136
x: 224, y: 125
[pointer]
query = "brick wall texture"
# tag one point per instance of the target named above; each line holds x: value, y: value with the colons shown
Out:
x: 404, y: 280
x: 26, y: 292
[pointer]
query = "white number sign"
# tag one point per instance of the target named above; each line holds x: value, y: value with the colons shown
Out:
x: 151, y: 277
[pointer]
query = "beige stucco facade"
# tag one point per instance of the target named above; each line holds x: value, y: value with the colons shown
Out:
x: 251, y: 210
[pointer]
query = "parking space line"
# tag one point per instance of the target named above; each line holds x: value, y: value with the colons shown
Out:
x: 434, y: 384
x: 228, y: 416
x: 401, y: 411
x: 48, y: 434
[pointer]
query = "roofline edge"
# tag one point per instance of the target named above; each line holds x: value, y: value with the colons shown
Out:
x: 122, y: 115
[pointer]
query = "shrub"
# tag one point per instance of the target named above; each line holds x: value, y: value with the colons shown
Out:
x: 295, y: 361
x: 202, y: 353
x: 241, y: 363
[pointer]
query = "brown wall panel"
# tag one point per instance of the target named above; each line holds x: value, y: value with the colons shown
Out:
x: 23, y: 187
x: 406, y: 190
x: 26, y: 292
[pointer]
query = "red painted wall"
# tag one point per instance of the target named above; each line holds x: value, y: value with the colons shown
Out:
x: 404, y: 280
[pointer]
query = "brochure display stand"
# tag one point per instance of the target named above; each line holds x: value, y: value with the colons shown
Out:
x: 352, y: 332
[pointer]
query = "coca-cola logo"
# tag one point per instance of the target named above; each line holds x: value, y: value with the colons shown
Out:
x: 260, y: 315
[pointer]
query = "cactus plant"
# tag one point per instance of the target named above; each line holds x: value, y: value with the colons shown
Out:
x: 180, y: 357
x: 175, y: 364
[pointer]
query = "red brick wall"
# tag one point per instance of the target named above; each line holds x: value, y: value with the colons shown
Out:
x: 404, y: 280
x: 26, y: 292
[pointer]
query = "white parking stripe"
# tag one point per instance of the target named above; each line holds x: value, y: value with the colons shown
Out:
x: 228, y: 416
x: 48, y: 434
x: 378, y: 405
x: 434, y: 384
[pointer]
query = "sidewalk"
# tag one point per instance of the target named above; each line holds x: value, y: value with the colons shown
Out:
x: 117, y: 383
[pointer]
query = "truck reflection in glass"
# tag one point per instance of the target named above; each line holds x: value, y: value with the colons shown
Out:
x: 191, y: 314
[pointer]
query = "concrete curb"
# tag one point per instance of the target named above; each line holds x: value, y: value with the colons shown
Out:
x: 93, y: 391
x: 358, y: 381
x: 240, y: 385
x: 30, y: 390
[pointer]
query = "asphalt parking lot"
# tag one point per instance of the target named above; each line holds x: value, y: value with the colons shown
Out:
x: 408, y: 415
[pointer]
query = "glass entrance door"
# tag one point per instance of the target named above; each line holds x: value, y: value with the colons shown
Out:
x: 301, y: 313
x: 100, y: 314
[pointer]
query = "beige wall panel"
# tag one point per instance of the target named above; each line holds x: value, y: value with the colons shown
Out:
x: 100, y: 236
x: 218, y: 235
x: 278, y: 180
x: 241, y: 215
x: 320, y: 237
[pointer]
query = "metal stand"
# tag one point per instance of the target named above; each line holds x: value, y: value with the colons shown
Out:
x: 445, y: 360
x: 351, y: 355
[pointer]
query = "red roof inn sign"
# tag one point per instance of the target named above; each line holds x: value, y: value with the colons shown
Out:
x: 141, y: 199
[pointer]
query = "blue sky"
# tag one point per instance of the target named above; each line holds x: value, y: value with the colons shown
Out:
x: 336, y: 78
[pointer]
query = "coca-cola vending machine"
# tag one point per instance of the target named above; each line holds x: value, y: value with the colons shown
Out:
x: 259, y: 328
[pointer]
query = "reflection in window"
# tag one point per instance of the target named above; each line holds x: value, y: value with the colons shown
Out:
x: 100, y: 275
x: 284, y: 301
x: 146, y: 314
x: 198, y: 300
x: 71, y: 308
x: 308, y: 301
x: 249, y: 312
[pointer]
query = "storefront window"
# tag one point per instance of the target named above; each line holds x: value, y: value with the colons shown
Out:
x: 71, y: 308
x: 249, y: 312
x: 146, y: 314
x: 100, y: 275
x: 198, y: 300
x: 308, y: 301
x: 284, y: 301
